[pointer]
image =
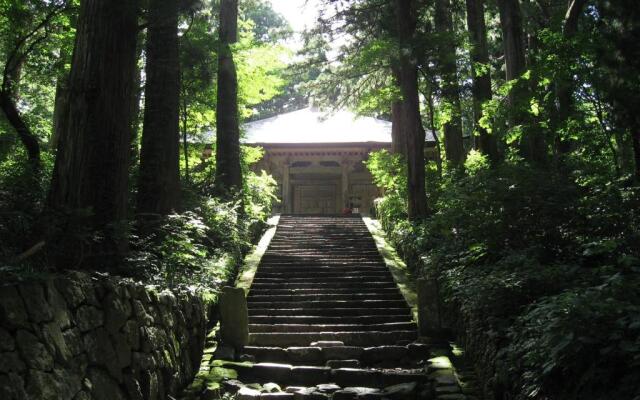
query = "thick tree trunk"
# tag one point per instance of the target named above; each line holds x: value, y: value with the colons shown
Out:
x: 27, y: 138
x: 60, y: 109
x: 452, y: 129
x: 159, y: 179
x: 565, y: 86
x: 481, y: 89
x: 635, y: 136
x: 532, y: 144
x: 136, y: 98
x: 411, y: 122
x: 228, y: 170
x: 92, y: 164
x: 398, y: 140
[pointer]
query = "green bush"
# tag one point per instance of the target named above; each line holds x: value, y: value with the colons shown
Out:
x: 538, y: 269
x: 22, y: 196
x: 586, y: 336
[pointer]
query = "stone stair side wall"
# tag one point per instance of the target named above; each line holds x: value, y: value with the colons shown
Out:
x: 88, y: 337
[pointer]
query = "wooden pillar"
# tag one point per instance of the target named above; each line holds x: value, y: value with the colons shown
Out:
x: 345, y: 184
x: 286, y: 189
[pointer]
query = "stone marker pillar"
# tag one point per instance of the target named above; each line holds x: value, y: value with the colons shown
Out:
x: 429, y: 310
x: 234, y: 317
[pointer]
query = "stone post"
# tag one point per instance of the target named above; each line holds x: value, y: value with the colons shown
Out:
x: 429, y: 308
x: 234, y: 317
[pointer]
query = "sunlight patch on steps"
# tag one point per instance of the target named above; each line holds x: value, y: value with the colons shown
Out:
x: 252, y: 260
x: 395, y: 264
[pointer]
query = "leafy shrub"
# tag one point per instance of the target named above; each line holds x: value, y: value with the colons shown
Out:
x: 198, y: 247
x: 521, y: 255
x: 589, y: 336
x: 22, y: 196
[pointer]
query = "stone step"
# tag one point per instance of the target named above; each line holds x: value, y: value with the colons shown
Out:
x: 322, y: 285
x: 333, y: 304
x: 363, y: 280
x: 254, y: 296
x: 390, y: 326
x: 319, y: 355
x: 328, y: 311
x: 287, y: 374
x: 323, y: 291
x: 327, y: 320
x: 359, y: 338
x: 323, y: 274
x: 301, y: 269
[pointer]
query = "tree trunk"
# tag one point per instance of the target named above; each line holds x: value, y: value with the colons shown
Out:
x: 159, y: 179
x: 446, y: 58
x: 185, y: 142
x: 635, y: 137
x: 27, y: 138
x: 481, y: 89
x: 60, y: 109
x: 532, y: 144
x: 136, y: 98
x: 565, y: 86
x: 228, y: 170
x: 411, y: 122
x: 398, y: 140
x: 92, y: 163
x: 8, y: 99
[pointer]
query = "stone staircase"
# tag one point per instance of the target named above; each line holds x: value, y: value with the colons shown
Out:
x: 327, y: 321
x: 322, y: 278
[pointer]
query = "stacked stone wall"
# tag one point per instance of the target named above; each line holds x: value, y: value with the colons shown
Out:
x: 94, y: 337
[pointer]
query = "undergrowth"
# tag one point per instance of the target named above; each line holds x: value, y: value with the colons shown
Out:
x: 541, y: 265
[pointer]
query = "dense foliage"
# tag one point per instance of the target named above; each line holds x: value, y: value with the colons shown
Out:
x: 545, y: 263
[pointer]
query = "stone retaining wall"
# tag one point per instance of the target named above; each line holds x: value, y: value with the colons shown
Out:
x: 90, y: 337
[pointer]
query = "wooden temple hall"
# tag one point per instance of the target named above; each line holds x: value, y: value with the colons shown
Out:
x: 317, y: 159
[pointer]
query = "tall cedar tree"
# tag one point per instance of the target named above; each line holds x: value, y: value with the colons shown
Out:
x: 92, y: 163
x: 620, y: 26
x: 159, y: 180
x: 411, y: 125
x: 532, y: 144
x: 398, y: 139
x: 485, y: 142
x: 448, y: 71
x: 565, y: 86
x: 228, y: 170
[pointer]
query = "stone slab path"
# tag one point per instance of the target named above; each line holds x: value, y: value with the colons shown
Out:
x: 327, y: 321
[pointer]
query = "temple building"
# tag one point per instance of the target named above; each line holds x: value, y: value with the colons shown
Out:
x: 317, y: 159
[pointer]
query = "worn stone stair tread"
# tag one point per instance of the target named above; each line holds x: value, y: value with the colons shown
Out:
x: 256, y: 328
x: 307, y: 375
x: 334, y: 304
x: 328, y: 311
x: 255, y: 297
x: 359, y: 338
x: 312, y: 291
x: 352, y: 285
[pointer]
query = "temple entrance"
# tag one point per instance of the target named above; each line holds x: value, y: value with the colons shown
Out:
x: 315, y: 199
